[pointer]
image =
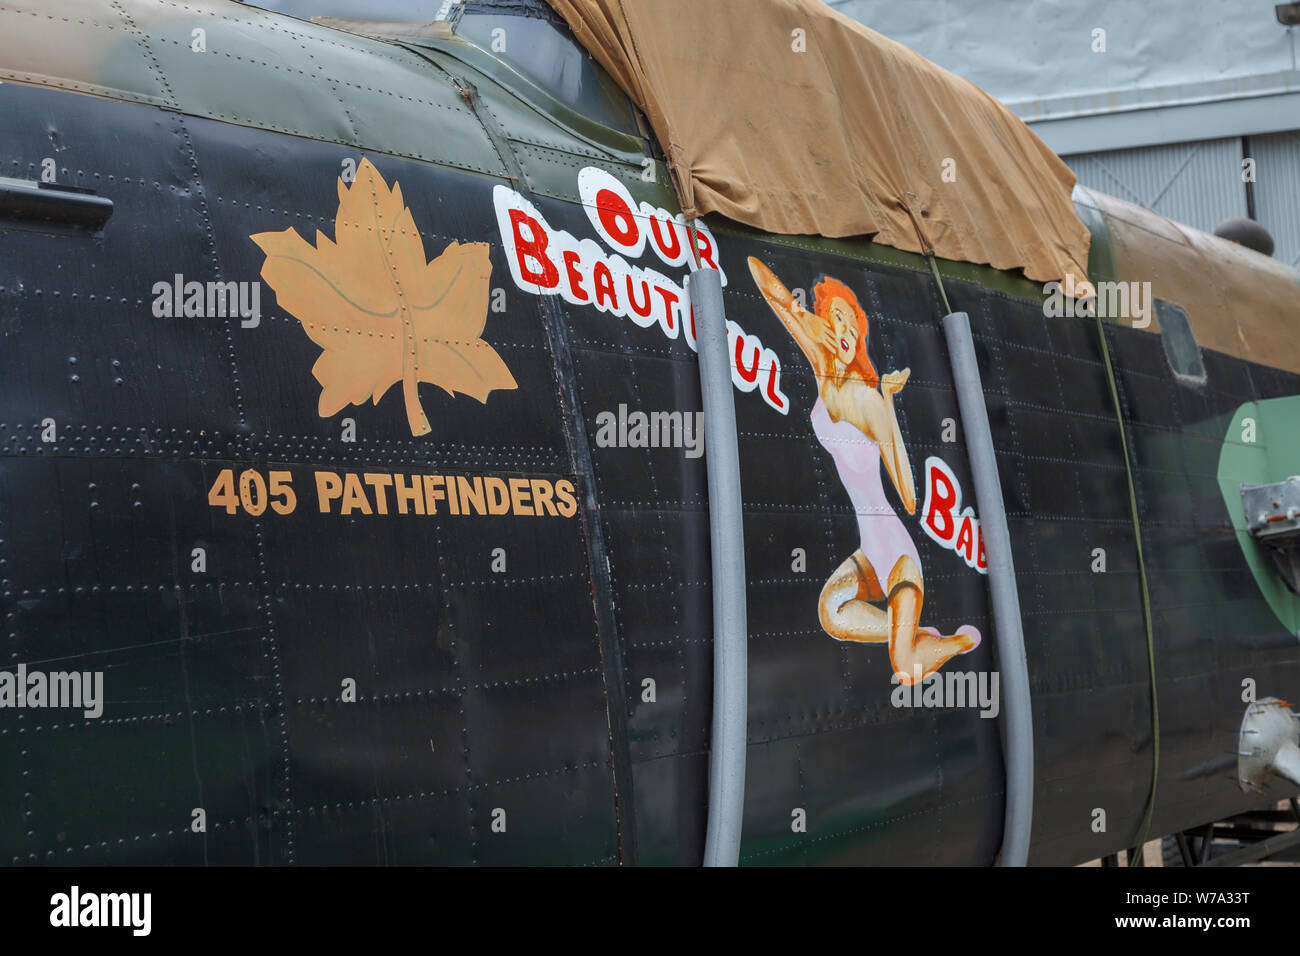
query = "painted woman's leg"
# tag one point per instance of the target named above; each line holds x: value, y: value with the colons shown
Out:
x: 844, y: 607
x: 916, y: 652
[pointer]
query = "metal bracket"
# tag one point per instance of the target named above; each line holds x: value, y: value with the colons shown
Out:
x: 1273, y: 519
x: 26, y: 202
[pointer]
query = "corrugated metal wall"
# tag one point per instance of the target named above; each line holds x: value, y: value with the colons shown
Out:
x: 1196, y: 183
x: 1277, y: 191
x: 1200, y: 183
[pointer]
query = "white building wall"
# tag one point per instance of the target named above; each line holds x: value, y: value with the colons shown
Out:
x: 1153, y: 109
x: 1277, y: 191
x: 1211, y: 62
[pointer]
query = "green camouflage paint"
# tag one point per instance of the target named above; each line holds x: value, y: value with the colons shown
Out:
x: 1260, y: 447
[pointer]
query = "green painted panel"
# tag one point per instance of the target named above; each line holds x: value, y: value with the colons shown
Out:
x: 1262, y: 446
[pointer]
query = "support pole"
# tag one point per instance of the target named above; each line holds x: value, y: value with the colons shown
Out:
x: 727, y: 543
x: 1018, y: 819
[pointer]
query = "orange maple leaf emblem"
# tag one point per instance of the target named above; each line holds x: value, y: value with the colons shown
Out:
x: 382, y: 313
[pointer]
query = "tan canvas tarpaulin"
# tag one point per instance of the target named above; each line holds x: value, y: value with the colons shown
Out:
x: 792, y: 118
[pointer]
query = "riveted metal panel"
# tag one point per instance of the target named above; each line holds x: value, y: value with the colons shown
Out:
x: 244, y: 66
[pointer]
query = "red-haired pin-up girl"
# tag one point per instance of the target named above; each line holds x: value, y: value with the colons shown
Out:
x: 854, y: 419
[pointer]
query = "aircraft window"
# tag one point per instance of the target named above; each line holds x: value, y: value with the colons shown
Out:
x: 1181, y: 351
x: 547, y: 54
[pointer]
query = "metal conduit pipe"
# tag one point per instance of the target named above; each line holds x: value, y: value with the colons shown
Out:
x: 1017, y: 714
x: 727, y: 543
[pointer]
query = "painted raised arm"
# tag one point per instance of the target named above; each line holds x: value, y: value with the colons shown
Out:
x: 805, y: 327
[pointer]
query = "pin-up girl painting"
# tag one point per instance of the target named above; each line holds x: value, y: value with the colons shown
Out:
x: 855, y: 420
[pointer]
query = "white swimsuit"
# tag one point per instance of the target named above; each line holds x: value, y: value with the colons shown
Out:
x: 857, y: 459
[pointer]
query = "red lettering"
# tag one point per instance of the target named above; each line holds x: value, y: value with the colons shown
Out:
x: 575, y: 278
x: 778, y: 401
x: 670, y: 299
x: 533, y: 248
x: 604, y: 283
x: 942, y: 497
x: 631, y: 297
x: 750, y: 375
x: 981, y: 561
x: 705, y: 248
x: 965, y: 545
x: 616, y: 217
x: 676, y: 250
